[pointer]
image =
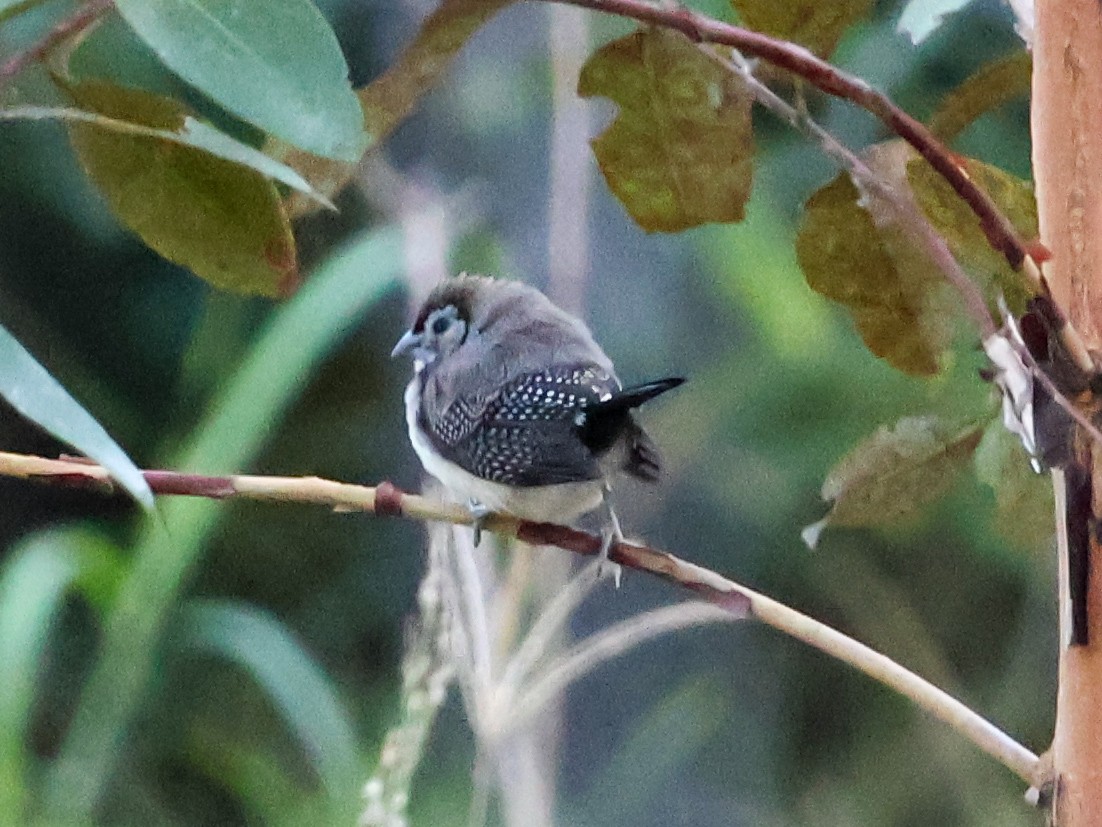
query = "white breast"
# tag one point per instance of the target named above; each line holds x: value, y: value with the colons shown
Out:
x: 562, y: 503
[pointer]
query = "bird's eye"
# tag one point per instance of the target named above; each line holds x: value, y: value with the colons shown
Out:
x: 441, y: 324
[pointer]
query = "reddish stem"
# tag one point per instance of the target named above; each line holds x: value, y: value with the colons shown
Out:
x: 830, y: 79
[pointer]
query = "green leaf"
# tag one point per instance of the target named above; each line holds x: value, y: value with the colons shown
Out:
x: 960, y: 227
x: 680, y: 152
x: 266, y: 791
x: 181, y: 129
x: 993, y: 85
x: 325, y: 176
x: 222, y: 221
x: 811, y: 23
x: 1023, y: 499
x: 30, y: 389
x: 920, y: 18
x: 900, y: 304
x: 240, y: 421
x: 390, y: 98
x: 894, y: 473
x: 276, y: 65
x: 10, y: 8
x: 35, y: 579
x: 393, y: 96
x: 296, y: 685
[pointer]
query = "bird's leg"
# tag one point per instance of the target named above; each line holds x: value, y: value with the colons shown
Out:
x: 479, y: 514
x: 611, y: 533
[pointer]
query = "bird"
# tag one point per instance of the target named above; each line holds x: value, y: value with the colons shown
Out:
x: 515, y: 408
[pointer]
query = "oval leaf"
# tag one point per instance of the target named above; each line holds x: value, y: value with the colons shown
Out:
x: 184, y: 130
x: 31, y: 390
x: 993, y: 85
x: 276, y: 65
x: 679, y: 153
x: 811, y: 23
x: 900, y: 304
x: 1023, y: 498
x: 389, y: 99
x: 960, y: 227
x: 894, y: 473
x: 224, y: 222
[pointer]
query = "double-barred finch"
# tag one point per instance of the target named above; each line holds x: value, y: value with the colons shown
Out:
x: 515, y: 408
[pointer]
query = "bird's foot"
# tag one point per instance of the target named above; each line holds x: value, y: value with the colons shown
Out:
x: 605, y: 566
x: 480, y: 515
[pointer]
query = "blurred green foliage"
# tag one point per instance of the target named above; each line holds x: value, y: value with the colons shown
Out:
x: 238, y: 663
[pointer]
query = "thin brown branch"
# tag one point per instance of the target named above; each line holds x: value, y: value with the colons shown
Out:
x: 387, y: 500
x: 910, y: 218
x: 1000, y: 232
x: 80, y: 19
x: 830, y: 79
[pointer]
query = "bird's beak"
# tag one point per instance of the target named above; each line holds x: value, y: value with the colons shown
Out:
x: 408, y: 342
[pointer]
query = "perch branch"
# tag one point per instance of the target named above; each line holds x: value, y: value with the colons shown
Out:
x: 387, y: 500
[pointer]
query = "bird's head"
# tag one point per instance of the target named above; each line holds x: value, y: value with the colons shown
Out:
x: 497, y: 327
x: 442, y: 323
x: 462, y: 306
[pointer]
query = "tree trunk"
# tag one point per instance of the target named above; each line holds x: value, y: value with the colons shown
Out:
x: 1067, y: 163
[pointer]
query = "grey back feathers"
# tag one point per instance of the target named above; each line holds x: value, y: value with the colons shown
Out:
x: 516, y: 391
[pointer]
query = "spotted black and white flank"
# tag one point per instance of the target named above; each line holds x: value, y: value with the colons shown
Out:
x: 514, y: 407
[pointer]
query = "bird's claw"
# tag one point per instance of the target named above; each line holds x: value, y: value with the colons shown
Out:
x: 480, y: 515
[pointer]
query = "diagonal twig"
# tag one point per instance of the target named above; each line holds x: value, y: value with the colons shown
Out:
x: 840, y: 84
x: 387, y: 500
x: 828, y: 78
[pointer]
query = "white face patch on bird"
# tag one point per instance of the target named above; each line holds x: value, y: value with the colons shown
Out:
x: 438, y: 334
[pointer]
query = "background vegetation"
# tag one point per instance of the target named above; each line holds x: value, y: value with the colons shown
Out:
x: 268, y: 699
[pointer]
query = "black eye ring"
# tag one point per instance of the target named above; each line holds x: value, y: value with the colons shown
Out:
x: 441, y: 324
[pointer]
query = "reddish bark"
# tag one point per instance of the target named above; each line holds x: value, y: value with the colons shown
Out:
x: 1067, y: 158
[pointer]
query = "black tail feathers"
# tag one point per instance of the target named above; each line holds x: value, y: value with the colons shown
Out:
x: 642, y: 460
x: 628, y: 398
x: 610, y: 421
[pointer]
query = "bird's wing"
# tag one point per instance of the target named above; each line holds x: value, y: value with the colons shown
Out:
x: 525, y: 433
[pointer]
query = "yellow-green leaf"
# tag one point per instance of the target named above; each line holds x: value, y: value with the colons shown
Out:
x: 389, y: 99
x: 813, y: 23
x: 900, y: 304
x: 897, y: 471
x: 393, y: 96
x: 679, y: 153
x: 993, y: 85
x: 960, y: 227
x: 223, y: 221
x: 1023, y: 499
